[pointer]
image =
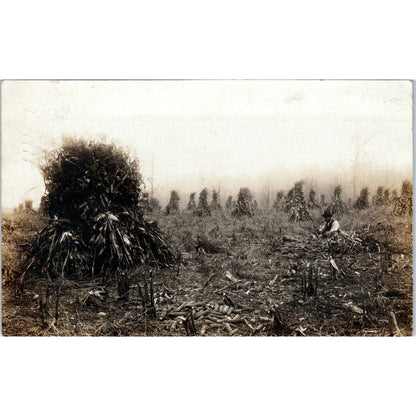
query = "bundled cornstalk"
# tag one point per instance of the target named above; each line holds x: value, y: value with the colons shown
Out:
x: 312, y: 204
x: 322, y: 202
x: 192, y: 203
x: 229, y: 203
x: 379, y: 197
x: 97, y: 223
x: 338, y: 206
x: 173, y: 205
x: 387, y: 196
x: 244, y: 204
x: 296, y: 205
x: 215, y: 204
x: 362, y: 201
x: 150, y: 204
x: 29, y: 205
x: 278, y: 203
x: 403, y: 205
x: 203, y: 209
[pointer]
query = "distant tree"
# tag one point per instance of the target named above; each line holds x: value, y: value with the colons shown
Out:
x: 173, y: 205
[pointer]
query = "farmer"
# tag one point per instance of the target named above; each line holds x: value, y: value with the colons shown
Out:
x: 331, y: 225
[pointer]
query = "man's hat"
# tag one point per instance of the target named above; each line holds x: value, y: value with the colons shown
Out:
x: 327, y: 213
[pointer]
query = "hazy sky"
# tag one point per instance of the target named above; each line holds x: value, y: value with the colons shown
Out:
x: 212, y: 133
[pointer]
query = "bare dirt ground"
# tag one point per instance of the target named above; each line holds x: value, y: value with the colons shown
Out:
x: 235, y: 277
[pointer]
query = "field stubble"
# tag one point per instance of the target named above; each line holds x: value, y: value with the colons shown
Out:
x: 235, y: 276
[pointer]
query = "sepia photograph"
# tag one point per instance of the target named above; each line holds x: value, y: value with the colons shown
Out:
x: 207, y: 208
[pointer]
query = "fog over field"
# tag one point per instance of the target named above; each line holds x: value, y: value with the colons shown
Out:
x: 217, y: 134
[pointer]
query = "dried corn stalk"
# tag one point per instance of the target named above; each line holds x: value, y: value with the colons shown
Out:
x: 403, y: 205
x: 244, y: 204
x: 192, y: 203
x: 296, y: 205
x: 215, y: 204
x: 279, y: 202
x: 173, y: 205
x: 338, y: 206
x: 362, y: 201
x: 97, y: 223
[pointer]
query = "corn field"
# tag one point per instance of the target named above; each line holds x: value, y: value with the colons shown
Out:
x: 99, y: 258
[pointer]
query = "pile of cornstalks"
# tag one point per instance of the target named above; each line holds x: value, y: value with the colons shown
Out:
x: 312, y: 204
x: 338, y: 206
x: 296, y: 205
x: 279, y: 202
x: 215, y: 204
x: 192, y: 204
x: 173, y: 205
x: 97, y: 223
x: 203, y: 210
x: 244, y: 204
x: 403, y: 205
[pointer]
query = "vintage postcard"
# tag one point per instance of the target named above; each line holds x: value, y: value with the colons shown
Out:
x: 207, y: 208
